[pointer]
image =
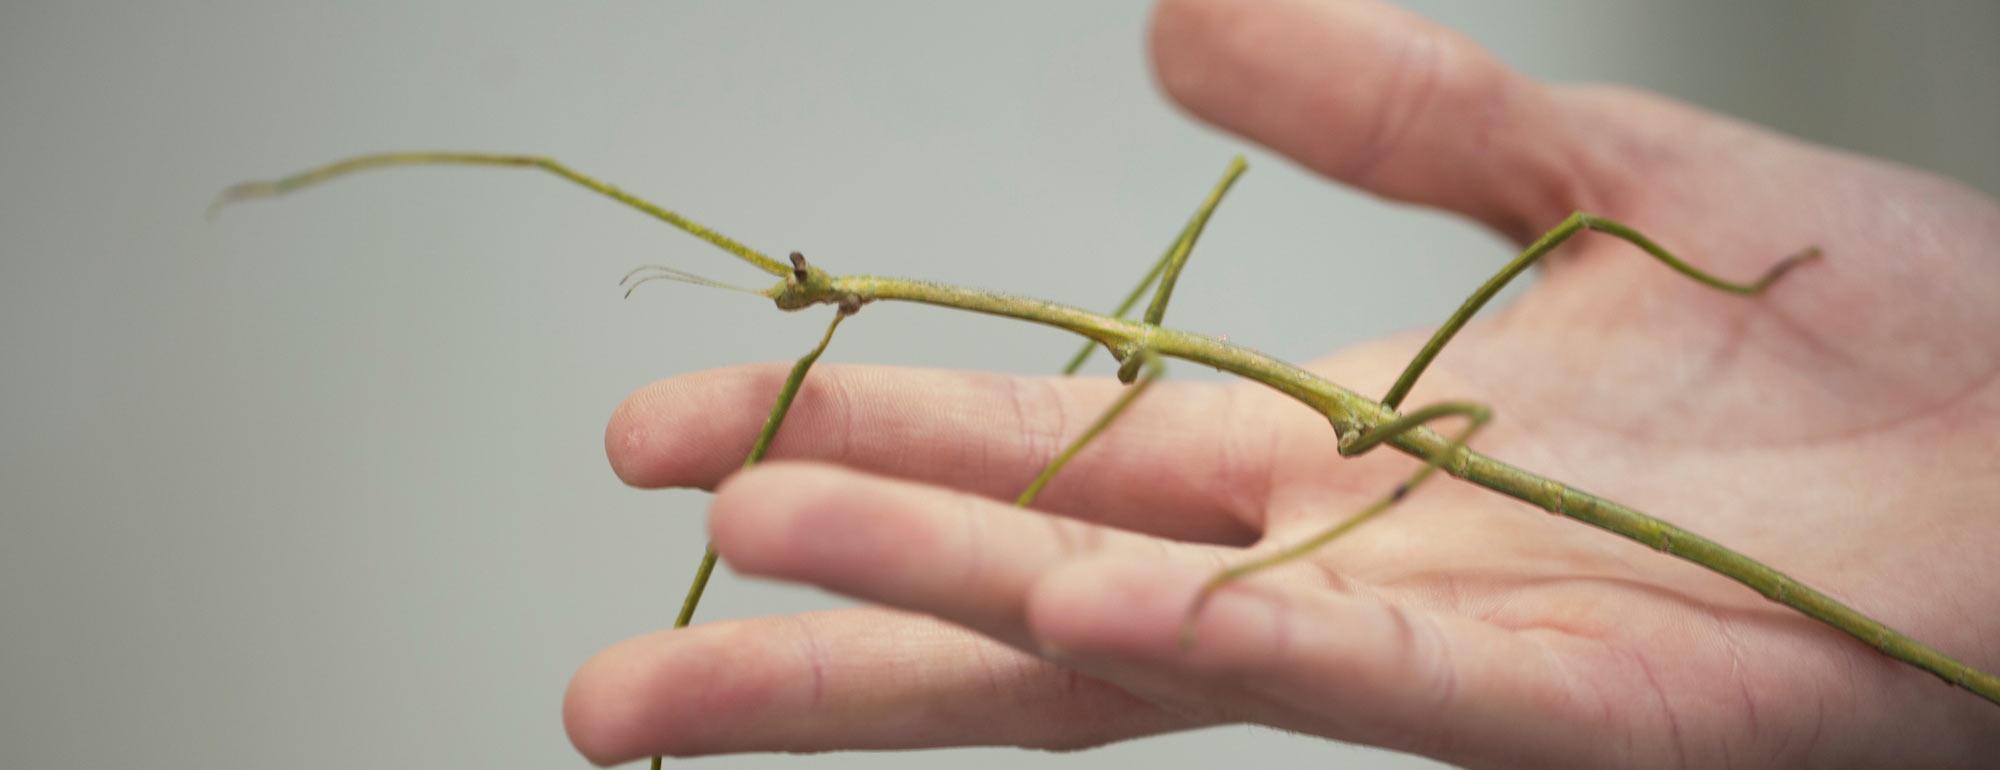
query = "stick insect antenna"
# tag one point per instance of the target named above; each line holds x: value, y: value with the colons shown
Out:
x: 662, y: 272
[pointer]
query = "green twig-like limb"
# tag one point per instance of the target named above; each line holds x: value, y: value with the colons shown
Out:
x: 765, y: 436
x: 1351, y: 413
x: 786, y: 394
x: 1576, y: 222
x: 1476, y: 415
x: 1175, y: 255
x: 313, y: 176
x: 1156, y: 311
x: 696, y: 587
x: 1154, y: 370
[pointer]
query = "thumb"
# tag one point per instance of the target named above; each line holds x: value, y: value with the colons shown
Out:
x: 1375, y: 97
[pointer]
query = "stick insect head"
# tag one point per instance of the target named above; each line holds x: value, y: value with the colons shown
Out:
x: 805, y: 287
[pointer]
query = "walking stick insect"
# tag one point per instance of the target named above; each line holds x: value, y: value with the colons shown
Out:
x: 1140, y: 346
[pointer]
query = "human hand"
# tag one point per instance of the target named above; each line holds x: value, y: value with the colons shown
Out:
x: 1838, y: 428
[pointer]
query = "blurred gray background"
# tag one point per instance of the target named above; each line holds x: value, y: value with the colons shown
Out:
x: 322, y: 484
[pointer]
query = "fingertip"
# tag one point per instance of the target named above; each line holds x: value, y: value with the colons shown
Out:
x: 604, y: 709
x: 1171, y: 35
x: 824, y: 524
x: 674, y: 693
x: 689, y: 430
x: 754, y: 518
x: 627, y: 438
x: 634, y: 700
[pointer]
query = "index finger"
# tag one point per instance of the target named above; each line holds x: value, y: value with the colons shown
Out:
x: 1190, y: 461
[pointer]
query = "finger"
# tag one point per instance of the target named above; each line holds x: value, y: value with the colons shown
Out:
x: 1348, y: 667
x: 1187, y: 461
x: 958, y: 557
x: 851, y: 679
x: 1376, y: 97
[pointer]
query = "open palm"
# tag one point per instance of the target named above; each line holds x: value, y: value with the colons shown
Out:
x: 1838, y: 428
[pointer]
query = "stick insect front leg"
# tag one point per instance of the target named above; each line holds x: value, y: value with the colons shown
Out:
x: 779, y: 409
x: 765, y: 436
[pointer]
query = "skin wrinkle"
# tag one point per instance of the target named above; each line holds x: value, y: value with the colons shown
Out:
x: 1247, y: 500
x: 1412, y: 84
x: 1440, y: 678
x: 1035, y: 447
x: 1819, y: 717
x: 1054, y: 401
x: 986, y: 667
x: 1734, y: 646
x: 1666, y: 710
x: 815, y: 658
x: 1574, y: 684
x: 840, y: 401
x: 1609, y: 708
x: 975, y: 533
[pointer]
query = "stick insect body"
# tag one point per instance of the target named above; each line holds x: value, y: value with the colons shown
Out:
x: 1361, y: 424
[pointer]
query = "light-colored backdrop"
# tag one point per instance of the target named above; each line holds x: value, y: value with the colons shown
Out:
x: 321, y: 485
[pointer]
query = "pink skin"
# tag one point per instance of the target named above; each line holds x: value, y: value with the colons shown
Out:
x: 1840, y: 428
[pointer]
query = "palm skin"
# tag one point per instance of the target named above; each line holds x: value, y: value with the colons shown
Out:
x: 1837, y: 428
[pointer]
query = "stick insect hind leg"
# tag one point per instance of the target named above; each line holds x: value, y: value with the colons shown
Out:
x: 1576, y: 223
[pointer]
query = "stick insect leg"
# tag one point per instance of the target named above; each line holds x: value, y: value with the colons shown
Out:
x: 314, y: 176
x: 1154, y: 370
x: 1541, y: 247
x: 1175, y: 256
x: 779, y: 409
x: 783, y: 405
x: 1476, y: 416
x: 1169, y: 266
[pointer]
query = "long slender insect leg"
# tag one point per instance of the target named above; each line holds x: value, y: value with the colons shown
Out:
x: 1576, y: 222
x: 1178, y: 256
x: 317, y: 175
x: 1176, y: 253
x: 1169, y: 264
x: 1476, y: 416
x: 1154, y: 370
x: 786, y: 394
x: 783, y: 405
